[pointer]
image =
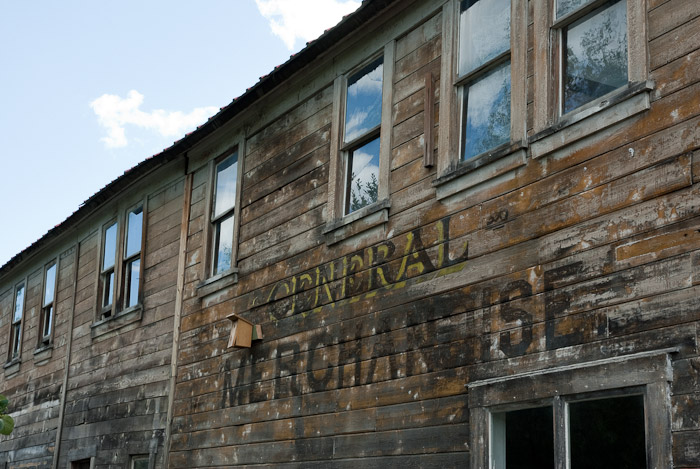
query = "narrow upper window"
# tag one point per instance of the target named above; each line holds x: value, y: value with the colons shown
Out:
x: 109, y: 255
x: 361, y: 136
x: 121, y: 268
x: 132, y: 257
x: 484, y: 75
x: 16, y: 327
x: 593, y: 50
x: 223, y: 210
x: 47, y: 306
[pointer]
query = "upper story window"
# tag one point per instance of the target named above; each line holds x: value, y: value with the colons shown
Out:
x: 593, y: 50
x: 484, y: 75
x: 16, y: 326
x: 48, y: 311
x: 360, y: 150
x: 361, y: 138
x: 590, y: 56
x: 222, y: 215
x: 483, y: 99
x: 132, y: 256
x: 120, y: 262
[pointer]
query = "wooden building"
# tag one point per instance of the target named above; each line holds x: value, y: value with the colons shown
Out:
x: 468, y: 230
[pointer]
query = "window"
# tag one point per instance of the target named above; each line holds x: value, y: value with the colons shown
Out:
x: 361, y: 136
x: 589, y: 56
x: 484, y: 57
x: 81, y: 464
x: 132, y: 257
x: 576, y: 415
x: 222, y: 215
x: 47, y: 306
x: 16, y: 326
x: 605, y: 433
x: 360, y: 147
x: 120, y: 263
x: 484, y: 75
x: 139, y: 462
x: 593, y: 50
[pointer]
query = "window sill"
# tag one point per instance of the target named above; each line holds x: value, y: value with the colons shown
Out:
x: 12, y: 367
x: 217, y: 282
x: 42, y: 354
x: 116, y: 322
x: 357, y: 222
x: 593, y: 117
x: 468, y: 174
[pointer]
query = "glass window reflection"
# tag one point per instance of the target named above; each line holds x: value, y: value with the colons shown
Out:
x: 135, y: 228
x: 110, y: 251
x: 486, y: 123
x: 49, y: 285
x: 226, y: 175
x: 224, y: 245
x: 484, y: 32
x: 596, y: 55
x: 363, y: 107
x: 363, y: 176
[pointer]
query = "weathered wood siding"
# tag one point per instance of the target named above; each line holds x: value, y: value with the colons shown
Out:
x: 583, y: 253
x: 35, y: 389
x: 586, y: 253
x: 117, y: 396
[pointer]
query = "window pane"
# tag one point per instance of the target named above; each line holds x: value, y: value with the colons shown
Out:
x: 19, y: 304
x: 48, y: 320
x: 363, y: 176
x: 529, y: 440
x: 596, y: 55
x: 49, y: 285
x: 567, y: 6
x: 224, y: 245
x: 134, y: 230
x: 363, y: 107
x: 226, y: 174
x: 484, y: 27
x: 110, y: 251
x: 134, y: 276
x: 17, y: 338
x: 607, y: 433
x: 486, y: 123
x: 108, y: 285
x: 140, y: 463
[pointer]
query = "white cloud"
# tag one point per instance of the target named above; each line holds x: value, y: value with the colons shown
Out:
x: 114, y: 113
x: 303, y: 19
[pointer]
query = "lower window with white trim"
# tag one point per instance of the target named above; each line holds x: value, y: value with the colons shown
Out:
x: 608, y: 413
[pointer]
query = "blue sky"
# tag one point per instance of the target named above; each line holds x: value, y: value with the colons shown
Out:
x: 88, y: 89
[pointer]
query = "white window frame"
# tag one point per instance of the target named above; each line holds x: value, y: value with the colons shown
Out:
x: 647, y: 373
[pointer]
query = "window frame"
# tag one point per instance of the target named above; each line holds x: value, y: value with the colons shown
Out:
x: 16, y: 327
x: 548, y: 56
x: 128, y: 260
x: 44, y: 340
x: 119, y: 305
x: 647, y: 373
x: 139, y: 457
x: 233, y: 211
x: 338, y: 225
x: 450, y: 163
